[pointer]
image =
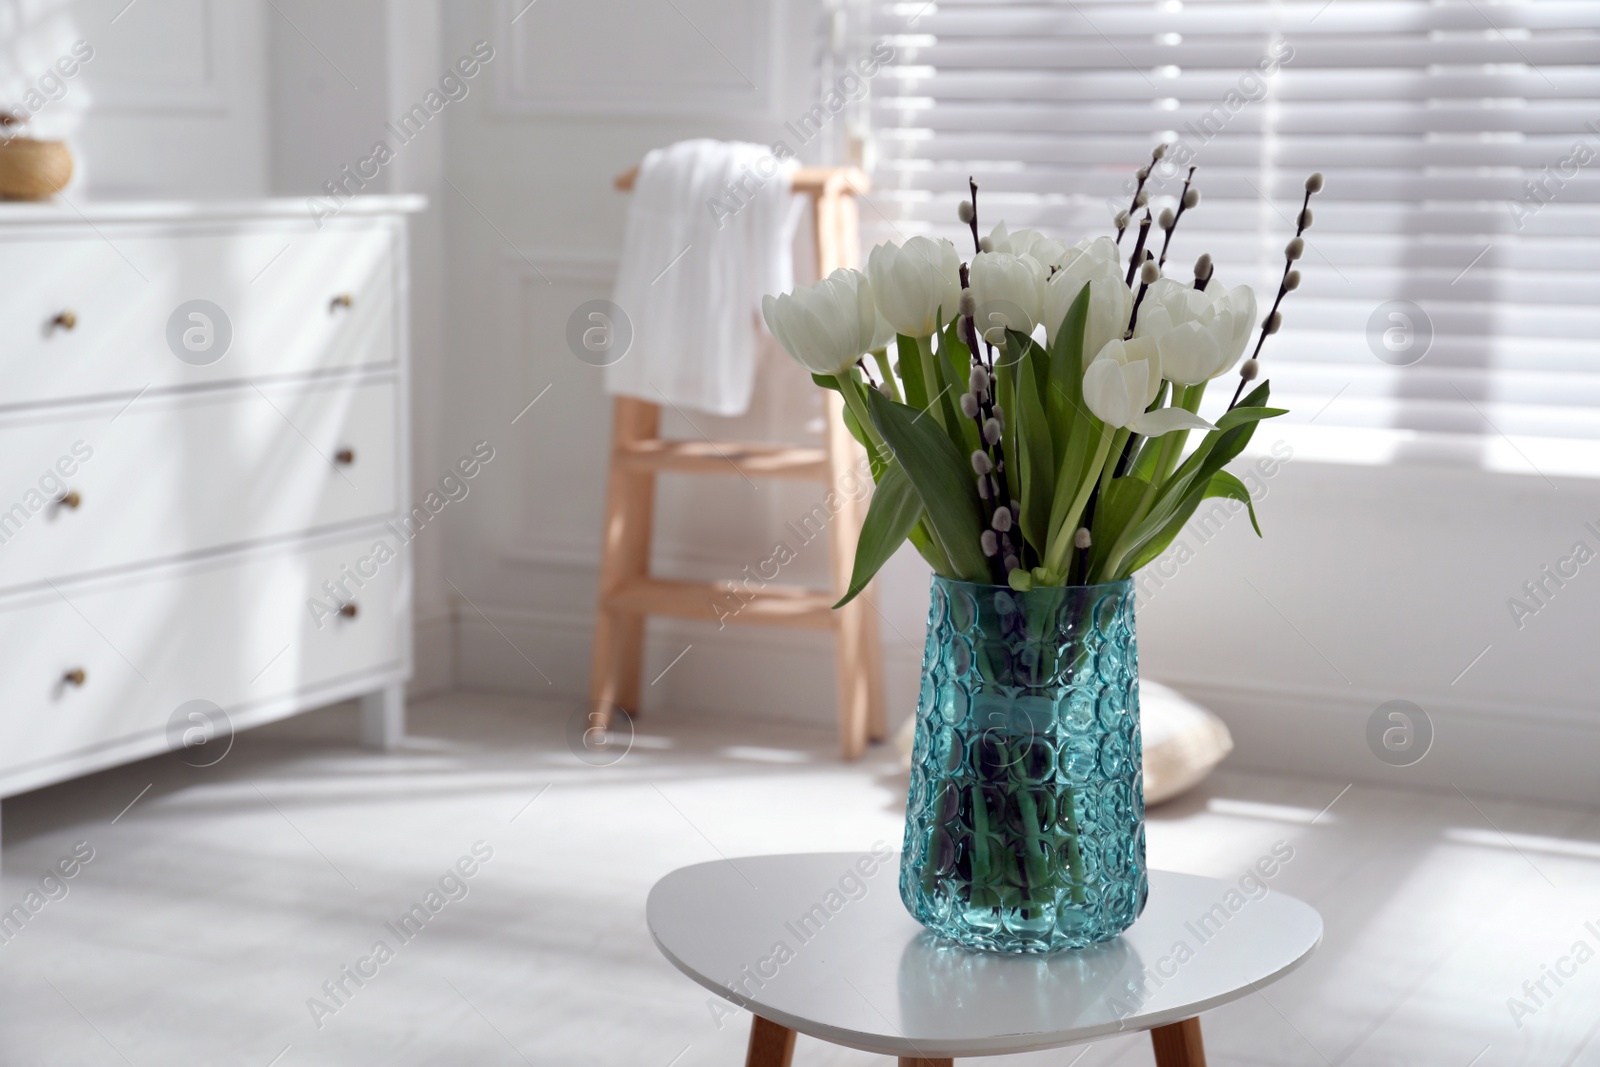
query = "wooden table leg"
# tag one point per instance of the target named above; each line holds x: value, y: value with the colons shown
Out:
x: 1179, y: 1045
x: 771, y: 1045
x: 918, y: 1061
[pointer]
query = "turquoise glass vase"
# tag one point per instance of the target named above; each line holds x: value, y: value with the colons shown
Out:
x: 1025, y: 816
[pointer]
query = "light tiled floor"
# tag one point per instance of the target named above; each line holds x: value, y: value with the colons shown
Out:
x: 221, y: 901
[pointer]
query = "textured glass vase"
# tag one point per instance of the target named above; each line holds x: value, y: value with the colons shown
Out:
x: 1025, y: 817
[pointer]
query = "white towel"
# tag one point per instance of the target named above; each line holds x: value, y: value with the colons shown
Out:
x: 710, y: 231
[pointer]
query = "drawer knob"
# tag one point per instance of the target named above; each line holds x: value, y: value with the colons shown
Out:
x: 345, y: 456
x: 343, y: 300
x: 76, y: 676
x: 69, y: 499
x: 66, y: 319
x: 349, y: 610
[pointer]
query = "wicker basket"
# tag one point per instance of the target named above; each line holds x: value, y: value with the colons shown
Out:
x: 33, y: 170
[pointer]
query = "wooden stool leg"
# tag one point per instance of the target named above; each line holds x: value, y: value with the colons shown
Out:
x: 624, y: 555
x: 771, y: 1045
x: 1179, y: 1045
x: 618, y: 660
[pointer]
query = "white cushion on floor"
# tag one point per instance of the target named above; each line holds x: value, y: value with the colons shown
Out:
x: 1182, y: 741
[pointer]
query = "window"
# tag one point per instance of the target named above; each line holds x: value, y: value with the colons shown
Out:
x: 1451, y: 287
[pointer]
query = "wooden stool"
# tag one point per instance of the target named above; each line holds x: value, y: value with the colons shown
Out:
x: 821, y: 945
x: 628, y: 591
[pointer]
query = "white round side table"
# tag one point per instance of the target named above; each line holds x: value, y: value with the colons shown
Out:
x: 820, y: 944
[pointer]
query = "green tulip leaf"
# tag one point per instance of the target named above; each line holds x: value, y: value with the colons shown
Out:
x: 1062, y: 388
x: 952, y: 362
x: 1226, y: 485
x: 1145, y: 458
x: 943, y: 479
x: 1218, y: 448
x: 1221, y: 484
x: 1241, y: 415
x: 929, y: 549
x: 1112, y: 513
x: 1194, y: 477
x: 1222, y: 445
x: 1005, y: 394
x: 957, y: 356
x: 911, y: 371
x: 1074, y: 430
x: 892, y: 515
x: 1037, y: 459
x: 1257, y: 397
x: 875, y: 459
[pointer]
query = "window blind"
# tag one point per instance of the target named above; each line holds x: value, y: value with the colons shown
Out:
x: 1453, y: 275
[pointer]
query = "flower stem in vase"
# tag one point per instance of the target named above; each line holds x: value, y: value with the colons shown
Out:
x: 984, y: 893
x: 1082, y: 620
x: 1074, y: 849
x: 1038, y: 875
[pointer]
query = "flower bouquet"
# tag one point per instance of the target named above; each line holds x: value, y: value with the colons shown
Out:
x: 1035, y: 475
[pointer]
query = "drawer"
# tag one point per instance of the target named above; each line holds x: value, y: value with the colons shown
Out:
x: 162, y: 477
x: 277, y: 287
x: 233, y: 632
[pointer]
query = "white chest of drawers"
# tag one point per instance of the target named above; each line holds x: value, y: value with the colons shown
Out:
x: 185, y: 522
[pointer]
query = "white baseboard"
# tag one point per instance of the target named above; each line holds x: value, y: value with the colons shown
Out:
x: 770, y: 674
x: 1535, y: 753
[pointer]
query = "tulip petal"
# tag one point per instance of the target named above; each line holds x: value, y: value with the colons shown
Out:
x: 1136, y: 378
x: 1008, y: 286
x: 913, y: 281
x: 779, y: 311
x: 1165, y: 420
x: 1105, y: 393
x: 1189, y: 354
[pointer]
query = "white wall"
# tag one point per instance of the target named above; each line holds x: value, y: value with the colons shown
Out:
x: 581, y: 93
x: 171, y: 102
x: 1375, y: 582
x: 1378, y: 583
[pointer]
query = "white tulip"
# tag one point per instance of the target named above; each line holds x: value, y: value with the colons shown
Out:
x: 1050, y: 253
x: 827, y: 326
x: 1100, y: 249
x: 1201, y: 335
x: 1123, y: 380
x: 1110, y: 299
x: 882, y: 334
x: 1142, y: 388
x: 916, y: 284
x: 1008, y: 290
